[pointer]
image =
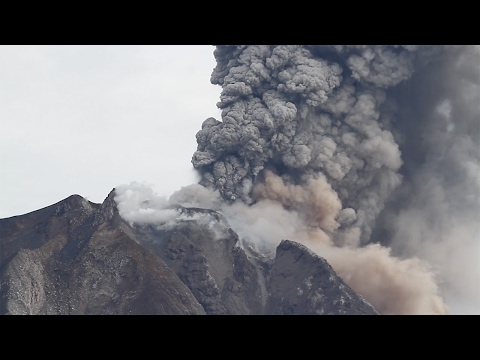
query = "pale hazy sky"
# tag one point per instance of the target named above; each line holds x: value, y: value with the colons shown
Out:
x: 84, y: 119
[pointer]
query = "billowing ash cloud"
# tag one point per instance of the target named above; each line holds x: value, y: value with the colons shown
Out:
x: 367, y: 154
x: 363, y: 125
x: 307, y: 110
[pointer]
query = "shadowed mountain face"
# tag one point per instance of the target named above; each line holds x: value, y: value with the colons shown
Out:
x: 303, y: 282
x: 77, y: 257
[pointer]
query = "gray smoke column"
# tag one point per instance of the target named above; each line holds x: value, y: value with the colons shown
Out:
x: 302, y: 111
x: 435, y: 213
x: 363, y: 143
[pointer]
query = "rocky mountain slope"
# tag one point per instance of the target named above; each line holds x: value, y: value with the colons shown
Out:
x: 77, y: 257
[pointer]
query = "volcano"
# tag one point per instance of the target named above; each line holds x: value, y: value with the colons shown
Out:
x: 77, y: 257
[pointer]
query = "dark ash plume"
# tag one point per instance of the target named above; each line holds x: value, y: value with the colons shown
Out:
x: 305, y: 110
x: 303, y: 124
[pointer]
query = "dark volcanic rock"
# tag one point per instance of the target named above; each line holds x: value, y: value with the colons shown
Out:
x: 76, y: 257
x: 302, y: 282
x: 206, y: 256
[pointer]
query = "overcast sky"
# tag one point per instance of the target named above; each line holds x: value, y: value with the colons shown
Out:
x: 84, y: 119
